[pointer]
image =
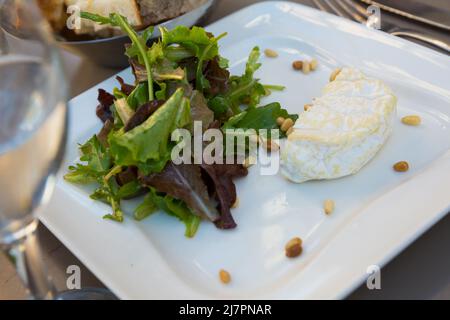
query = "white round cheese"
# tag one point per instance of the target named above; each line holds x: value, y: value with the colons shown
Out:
x: 342, y: 131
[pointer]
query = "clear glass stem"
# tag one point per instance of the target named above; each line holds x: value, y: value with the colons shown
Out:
x: 27, y: 258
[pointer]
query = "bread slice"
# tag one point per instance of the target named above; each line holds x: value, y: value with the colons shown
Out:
x: 126, y: 8
x: 156, y: 11
x: 140, y: 13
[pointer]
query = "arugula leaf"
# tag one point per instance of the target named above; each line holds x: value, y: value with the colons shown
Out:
x: 203, y: 46
x: 138, y: 46
x: 244, y: 90
x: 259, y: 118
x: 233, y: 122
x: 274, y: 87
x: 194, y: 39
x: 149, y: 141
x: 252, y: 64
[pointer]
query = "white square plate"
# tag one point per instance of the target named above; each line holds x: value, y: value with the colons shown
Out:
x: 378, y: 212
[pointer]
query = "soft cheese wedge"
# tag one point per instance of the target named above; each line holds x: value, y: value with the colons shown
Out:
x: 342, y: 131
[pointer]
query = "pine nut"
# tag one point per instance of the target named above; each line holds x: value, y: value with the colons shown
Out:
x: 297, y: 65
x: 306, y: 68
x: 328, y: 206
x: 334, y: 74
x: 307, y: 107
x: 280, y: 120
x: 293, y: 248
x: 412, y: 120
x: 224, y: 276
x: 270, y: 53
x: 288, y: 123
x: 401, y: 166
x: 313, y: 64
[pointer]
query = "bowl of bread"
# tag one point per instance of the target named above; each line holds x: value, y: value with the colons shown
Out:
x: 104, y: 44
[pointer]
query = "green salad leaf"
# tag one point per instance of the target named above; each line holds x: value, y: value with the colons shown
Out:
x: 199, y: 43
x: 259, y: 118
x: 108, y: 193
x: 138, y: 46
x: 97, y: 161
x: 149, y: 141
x: 124, y: 111
x: 176, y: 208
x: 161, y: 94
x: 138, y: 96
x: 129, y: 189
x: 194, y: 39
x: 244, y: 90
x: 97, y: 167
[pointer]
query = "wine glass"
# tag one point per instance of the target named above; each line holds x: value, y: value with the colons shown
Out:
x: 33, y: 124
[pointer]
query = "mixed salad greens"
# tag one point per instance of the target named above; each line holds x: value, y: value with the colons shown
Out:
x: 181, y: 78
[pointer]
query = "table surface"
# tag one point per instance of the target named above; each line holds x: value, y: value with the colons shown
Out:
x: 422, y: 271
